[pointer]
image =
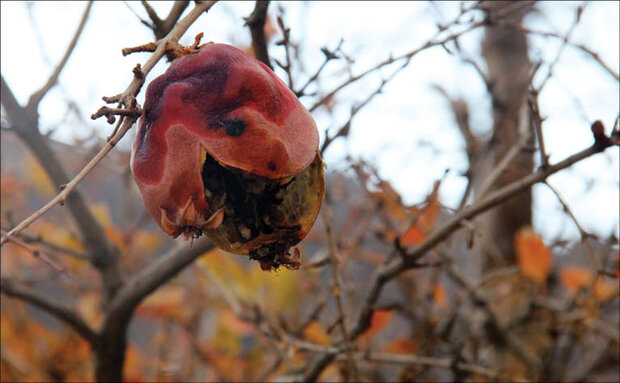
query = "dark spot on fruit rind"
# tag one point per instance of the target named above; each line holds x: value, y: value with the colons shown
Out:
x: 271, y: 166
x: 234, y: 128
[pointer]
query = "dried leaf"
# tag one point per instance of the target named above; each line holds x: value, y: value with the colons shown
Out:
x: 380, y: 319
x: 534, y: 258
x: 413, y: 236
x: 575, y: 278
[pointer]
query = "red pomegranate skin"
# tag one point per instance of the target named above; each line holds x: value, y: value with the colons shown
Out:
x: 224, y: 103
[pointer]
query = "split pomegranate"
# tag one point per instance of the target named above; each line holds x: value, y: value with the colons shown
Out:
x: 225, y: 149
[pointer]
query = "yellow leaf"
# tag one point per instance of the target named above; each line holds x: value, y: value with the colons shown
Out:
x: 38, y: 177
x: 314, y: 333
x: 534, y: 258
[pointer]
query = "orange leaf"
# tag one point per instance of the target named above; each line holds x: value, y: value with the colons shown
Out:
x: 575, y: 278
x: 379, y: 320
x: 439, y: 295
x: 604, y: 290
x: 534, y: 258
x: 314, y: 333
x: 402, y: 346
x: 413, y: 236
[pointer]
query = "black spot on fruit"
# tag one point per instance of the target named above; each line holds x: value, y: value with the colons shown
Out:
x: 271, y: 166
x: 234, y: 128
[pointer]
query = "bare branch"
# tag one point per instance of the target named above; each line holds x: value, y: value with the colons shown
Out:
x: 50, y: 245
x: 35, y: 99
x: 148, y: 280
x: 337, y: 291
x: 9, y: 288
x: 101, y: 253
x: 256, y: 23
x: 397, y: 265
x: 433, y: 41
x: 126, y: 98
x: 36, y: 253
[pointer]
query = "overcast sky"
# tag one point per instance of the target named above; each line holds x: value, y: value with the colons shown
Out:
x: 391, y: 131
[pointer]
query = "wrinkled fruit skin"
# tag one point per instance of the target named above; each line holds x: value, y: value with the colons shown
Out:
x: 224, y: 148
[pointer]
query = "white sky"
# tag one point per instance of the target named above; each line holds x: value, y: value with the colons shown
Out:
x: 388, y: 132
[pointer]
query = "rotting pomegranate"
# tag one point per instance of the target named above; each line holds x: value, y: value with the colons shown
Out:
x: 225, y: 149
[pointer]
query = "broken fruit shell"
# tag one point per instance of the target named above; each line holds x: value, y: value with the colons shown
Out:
x: 224, y: 148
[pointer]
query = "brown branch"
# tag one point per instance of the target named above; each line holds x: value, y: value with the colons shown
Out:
x: 125, y: 123
x: 329, y: 55
x: 109, y: 113
x: 395, y: 266
x: 36, y: 253
x: 577, y: 46
x: 102, y: 254
x: 148, y: 47
x: 567, y: 36
x: 536, y: 121
x: 286, y: 42
x: 515, y: 345
x: 9, y: 288
x: 256, y: 23
x: 345, y: 129
x: 352, y: 373
x: 381, y: 357
x: 499, y: 197
x: 35, y: 99
x: 501, y: 166
x: 50, y: 245
x: 432, y: 42
x: 113, y: 332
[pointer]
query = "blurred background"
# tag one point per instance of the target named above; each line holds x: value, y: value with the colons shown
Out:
x: 399, y: 170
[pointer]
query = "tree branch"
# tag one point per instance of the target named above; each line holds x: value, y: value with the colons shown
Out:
x: 67, y: 316
x: 150, y: 278
x: 256, y: 23
x: 35, y: 99
x: 395, y: 266
x: 126, y: 98
x: 102, y: 254
x: 111, y: 352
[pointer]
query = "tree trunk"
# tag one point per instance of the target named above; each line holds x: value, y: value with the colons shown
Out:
x: 505, y: 51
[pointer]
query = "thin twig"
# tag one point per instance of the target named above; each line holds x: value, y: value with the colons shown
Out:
x: 536, y: 121
x: 35, y: 99
x: 432, y: 42
x: 129, y: 93
x: 67, y: 316
x: 50, y: 245
x: 337, y: 291
x: 397, y: 265
x: 577, y: 46
x: 36, y: 253
x: 502, y: 165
